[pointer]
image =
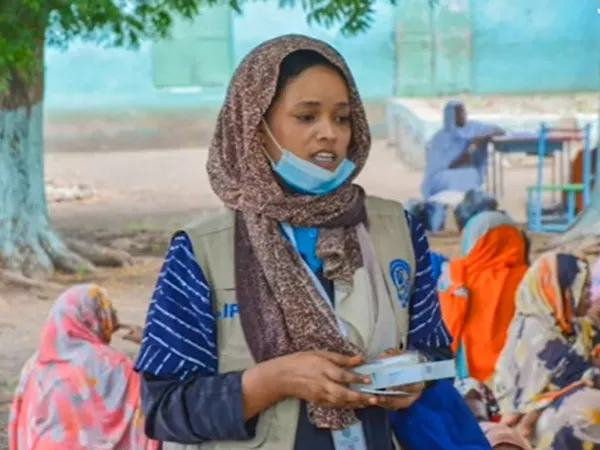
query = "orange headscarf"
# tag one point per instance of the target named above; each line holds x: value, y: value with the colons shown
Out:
x: 479, y: 302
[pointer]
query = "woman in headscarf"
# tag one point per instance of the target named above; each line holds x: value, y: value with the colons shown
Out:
x: 477, y: 290
x: 484, y: 407
x: 262, y: 310
x: 456, y: 158
x: 77, y: 392
x: 595, y: 283
x: 547, y: 379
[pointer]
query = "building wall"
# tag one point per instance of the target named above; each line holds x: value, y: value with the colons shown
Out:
x: 477, y: 46
x: 89, y: 78
x: 497, y: 46
x: 98, y: 97
x: 535, y: 46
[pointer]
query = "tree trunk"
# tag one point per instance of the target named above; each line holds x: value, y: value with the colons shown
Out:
x: 28, y: 242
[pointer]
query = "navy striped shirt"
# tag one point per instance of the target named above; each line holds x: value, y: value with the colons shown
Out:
x: 180, y: 333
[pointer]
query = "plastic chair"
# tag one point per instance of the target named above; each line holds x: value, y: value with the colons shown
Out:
x: 541, y: 219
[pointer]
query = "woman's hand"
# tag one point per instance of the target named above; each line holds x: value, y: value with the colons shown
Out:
x: 134, y: 333
x: 524, y: 424
x: 485, y: 139
x: 318, y: 377
x: 324, y: 378
x: 402, y: 401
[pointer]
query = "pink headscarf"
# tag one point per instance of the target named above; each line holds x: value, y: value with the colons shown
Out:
x: 76, y: 392
x: 595, y: 285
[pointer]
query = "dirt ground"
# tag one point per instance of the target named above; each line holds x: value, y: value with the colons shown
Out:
x: 142, y: 197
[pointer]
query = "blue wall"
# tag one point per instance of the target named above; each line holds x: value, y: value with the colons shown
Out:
x: 535, y: 45
x: 477, y: 46
x: 87, y: 77
x: 497, y: 46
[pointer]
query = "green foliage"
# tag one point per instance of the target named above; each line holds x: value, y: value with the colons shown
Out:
x: 26, y: 24
x: 354, y: 16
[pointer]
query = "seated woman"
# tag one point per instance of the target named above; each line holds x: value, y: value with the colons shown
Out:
x: 77, y: 392
x: 456, y: 158
x: 595, y: 283
x: 477, y: 291
x: 547, y: 381
x: 484, y: 407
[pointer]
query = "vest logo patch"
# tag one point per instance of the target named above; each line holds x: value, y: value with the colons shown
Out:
x: 229, y: 311
x: 400, y: 275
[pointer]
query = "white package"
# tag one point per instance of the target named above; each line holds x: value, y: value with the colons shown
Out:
x: 403, y: 369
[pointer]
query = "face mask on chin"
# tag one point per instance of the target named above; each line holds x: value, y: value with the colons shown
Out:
x: 306, y: 177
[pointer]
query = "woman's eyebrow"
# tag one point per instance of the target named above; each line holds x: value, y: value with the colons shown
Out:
x: 315, y: 103
x: 308, y: 104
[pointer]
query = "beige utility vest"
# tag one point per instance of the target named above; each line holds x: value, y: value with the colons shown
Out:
x: 213, y: 242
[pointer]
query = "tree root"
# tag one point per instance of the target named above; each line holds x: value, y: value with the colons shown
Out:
x: 64, y: 259
x: 29, y: 245
x: 36, y: 257
x: 98, y: 255
x: 19, y: 280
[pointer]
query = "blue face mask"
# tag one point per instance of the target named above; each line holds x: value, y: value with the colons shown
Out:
x: 306, y: 177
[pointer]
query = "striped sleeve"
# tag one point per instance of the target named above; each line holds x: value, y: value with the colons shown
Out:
x: 180, y: 332
x: 427, y: 328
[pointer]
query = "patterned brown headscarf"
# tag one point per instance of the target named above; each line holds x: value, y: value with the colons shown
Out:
x: 281, y: 310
